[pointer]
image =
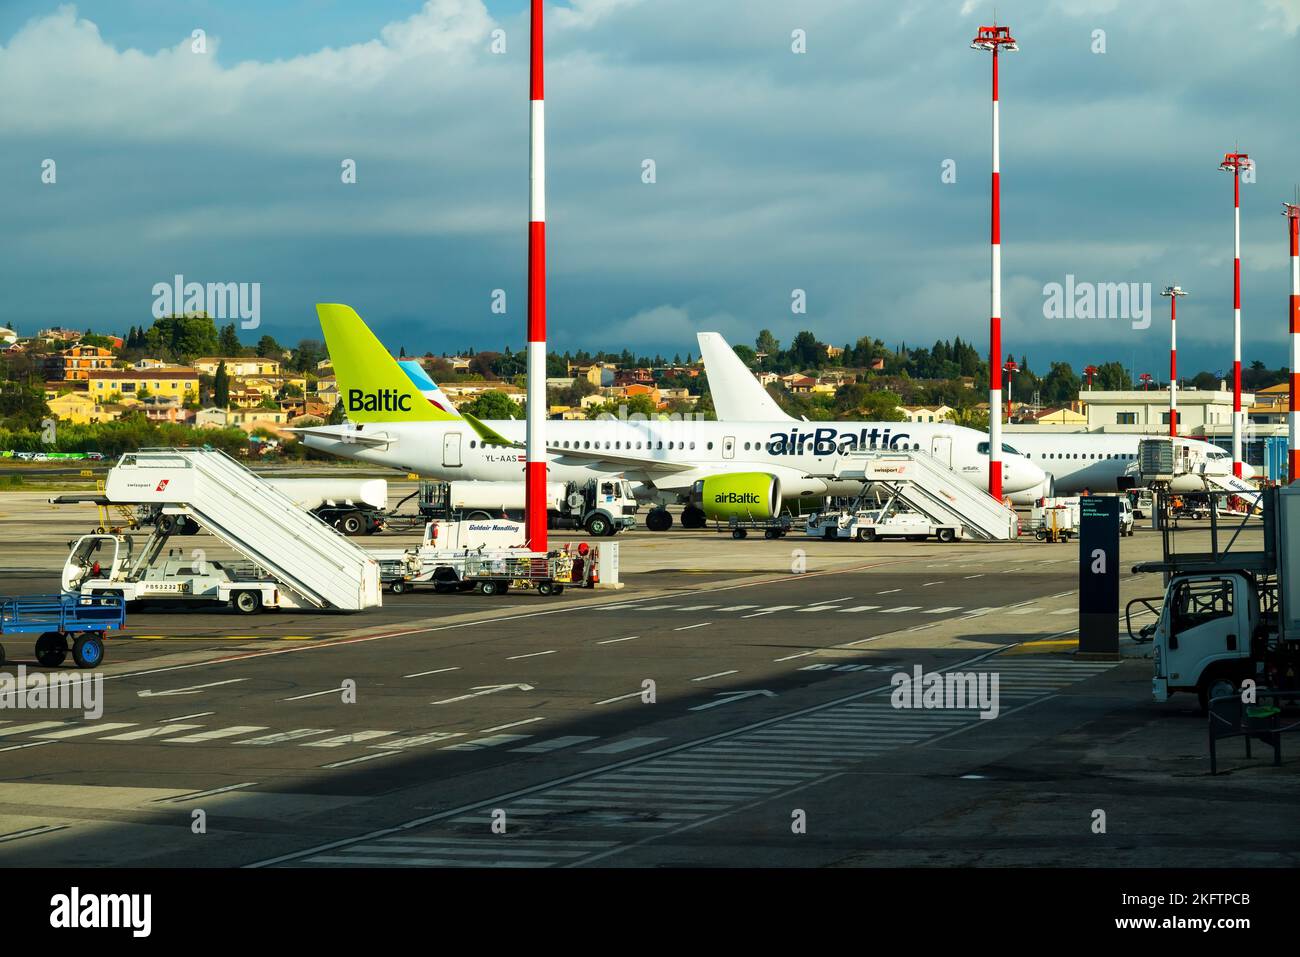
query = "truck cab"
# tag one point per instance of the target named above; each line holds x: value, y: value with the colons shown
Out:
x: 1204, y: 634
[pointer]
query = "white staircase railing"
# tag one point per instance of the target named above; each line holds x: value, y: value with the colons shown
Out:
x: 256, y: 519
x: 931, y: 488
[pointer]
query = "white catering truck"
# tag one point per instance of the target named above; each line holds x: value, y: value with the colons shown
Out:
x: 1226, y: 616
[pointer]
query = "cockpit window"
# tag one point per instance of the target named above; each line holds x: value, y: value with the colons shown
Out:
x: 983, y: 449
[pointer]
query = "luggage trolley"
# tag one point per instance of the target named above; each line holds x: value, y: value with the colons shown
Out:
x: 64, y: 621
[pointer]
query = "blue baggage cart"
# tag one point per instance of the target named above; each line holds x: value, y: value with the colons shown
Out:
x: 63, y: 623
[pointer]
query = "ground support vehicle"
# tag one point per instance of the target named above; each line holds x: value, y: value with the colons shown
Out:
x: 63, y: 622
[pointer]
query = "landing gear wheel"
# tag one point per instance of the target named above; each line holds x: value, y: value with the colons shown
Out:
x: 659, y: 520
x: 51, y: 649
x: 599, y: 525
x: 88, y: 651
x: 246, y: 602
x: 488, y: 587
x: 352, y: 524
x: 693, y: 517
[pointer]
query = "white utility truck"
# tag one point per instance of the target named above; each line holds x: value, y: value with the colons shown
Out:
x: 1229, y: 616
x: 869, y: 525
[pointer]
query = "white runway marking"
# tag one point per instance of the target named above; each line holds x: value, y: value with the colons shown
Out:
x: 627, y: 744
x: 314, y: 694
x: 612, y: 641
x: 535, y: 654
x: 436, y: 671
x: 622, y: 697
x: 802, y: 654
x: 230, y: 732
x: 689, y: 627
x: 857, y: 608
x: 91, y: 727
x: 720, y: 674
x: 555, y: 744
x: 355, y: 737
x: 155, y: 732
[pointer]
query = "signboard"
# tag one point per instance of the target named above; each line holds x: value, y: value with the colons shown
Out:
x: 1099, y: 576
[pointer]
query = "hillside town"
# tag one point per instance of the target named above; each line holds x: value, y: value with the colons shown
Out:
x: 183, y: 380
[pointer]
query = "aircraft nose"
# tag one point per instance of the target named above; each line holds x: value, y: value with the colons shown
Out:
x: 1022, y: 474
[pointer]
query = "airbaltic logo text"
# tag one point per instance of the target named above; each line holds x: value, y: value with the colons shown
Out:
x: 952, y: 691
x: 736, y: 498
x: 133, y: 911
x: 828, y: 441
x: 385, y: 400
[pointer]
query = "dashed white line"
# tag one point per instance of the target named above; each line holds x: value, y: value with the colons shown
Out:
x: 613, y: 641
x: 315, y: 694
x: 535, y: 654
x: 720, y: 674
x: 435, y: 671
x: 689, y: 627
x: 802, y: 654
x: 512, y: 724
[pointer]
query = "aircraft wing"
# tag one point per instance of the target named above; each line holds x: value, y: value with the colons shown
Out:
x: 354, y: 438
x: 615, y: 458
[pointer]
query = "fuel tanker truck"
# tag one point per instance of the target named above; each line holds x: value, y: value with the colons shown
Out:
x: 353, y: 506
x: 603, y: 506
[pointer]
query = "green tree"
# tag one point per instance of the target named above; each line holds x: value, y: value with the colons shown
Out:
x: 493, y: 405
x: 183, y: 337
x: 228, y: 342
x: 268, y: 348
x: 221, y: 387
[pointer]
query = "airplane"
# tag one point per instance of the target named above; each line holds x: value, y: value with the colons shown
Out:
x: 1071, y: 462
x: 751, y: 470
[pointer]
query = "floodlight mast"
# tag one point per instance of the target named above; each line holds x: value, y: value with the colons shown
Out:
x: 1234, y: 163
x: 995, y: 39
x: 1292, y: 212
x: 1173, y: 292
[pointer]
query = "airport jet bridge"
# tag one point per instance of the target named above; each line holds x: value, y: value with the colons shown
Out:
x: 927, y: 486
x: 311, y: 560
x: 1166, y: 463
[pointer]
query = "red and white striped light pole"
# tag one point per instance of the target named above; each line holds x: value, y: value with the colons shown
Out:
x: 1173, y: 292
x: 1292, y: 212
x: 535, y: 442
x: 993, y: 39
x: 1235, y: 163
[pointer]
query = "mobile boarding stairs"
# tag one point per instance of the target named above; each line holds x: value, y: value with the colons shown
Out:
x: 313, y: 562
x: 925, y: 485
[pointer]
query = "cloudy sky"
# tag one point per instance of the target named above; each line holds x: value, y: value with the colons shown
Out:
x: 775, y: 170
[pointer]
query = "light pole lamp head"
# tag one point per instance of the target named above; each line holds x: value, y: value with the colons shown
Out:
x: 1291, y: 210
x: 1236, y: 162
x: 1173, y: 291
x: 993, y: 39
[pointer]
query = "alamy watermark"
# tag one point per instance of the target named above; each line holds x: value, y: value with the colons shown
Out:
x: 53, y: 691
x: 953, y: 690
x: 220, y: 300
x: 1130, y: 301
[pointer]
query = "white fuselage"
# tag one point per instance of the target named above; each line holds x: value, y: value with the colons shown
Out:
x: 1096, y: 461
x: 805, y: 455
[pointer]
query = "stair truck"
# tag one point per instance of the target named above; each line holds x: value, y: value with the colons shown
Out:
x: 1227, y: 616
x: 291, y: 558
